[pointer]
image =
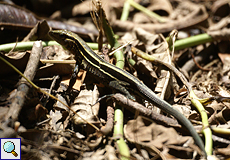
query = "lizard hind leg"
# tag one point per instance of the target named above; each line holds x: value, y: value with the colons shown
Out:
x: 120, y: 86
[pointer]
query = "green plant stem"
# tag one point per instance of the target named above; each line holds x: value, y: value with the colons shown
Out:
x: 179, y: 44
x: 132, y: 62
x: 206, y: 130
x: 28, y: 45
x: 193, y: 41
x: 23, y: 45
x: 146, y: 11
x: 118, y: 119
x: 118, y: 115
x: 118, y: 133
x: 125, y: 11
x: 113, y: 43
x: 225, y: 131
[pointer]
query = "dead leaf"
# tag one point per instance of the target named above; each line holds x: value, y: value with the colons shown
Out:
x: 225, y: 58
x: 99, y: 154
x: 58, y: 105
x: 140, y: 18
x: 139, y: 131
x: 110, y: 152
x: 220, y: 8
x: 163, y: 7
x: 83, y: 106
x: 223, y: 151
x: 156, y: 46
x: 18, y: 59
x: 55, y: 117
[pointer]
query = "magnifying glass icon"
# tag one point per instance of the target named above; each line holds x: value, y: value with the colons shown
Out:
x: 9, y: 147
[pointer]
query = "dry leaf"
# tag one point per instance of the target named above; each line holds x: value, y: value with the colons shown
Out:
x: 83, y: 106
x: 138, y: 131
x: 164, y: 7
x: 55, y: 117
x: 223, y: 151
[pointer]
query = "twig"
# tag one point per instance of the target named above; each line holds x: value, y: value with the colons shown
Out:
x: 110, y: 117
x: 55, y: 78
x: 134, y: 106
x: 24, y: 87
